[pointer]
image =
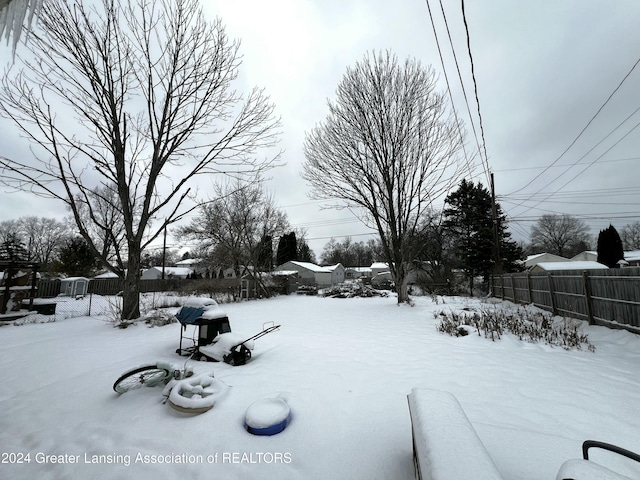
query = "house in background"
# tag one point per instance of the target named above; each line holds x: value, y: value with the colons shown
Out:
x: 633, y: 258
x: 280, y: 281
x: 354, y: 273
x: 310, y: 273
x: 155, y: 273
x: 106, y: 275
x: 587, y: 255
x: 533, y: 260
x: 568, y: 265
x: 198, y: 266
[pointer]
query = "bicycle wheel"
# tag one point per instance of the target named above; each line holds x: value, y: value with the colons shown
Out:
x: 149, y: 375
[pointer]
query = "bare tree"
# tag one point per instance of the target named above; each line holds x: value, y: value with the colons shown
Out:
x: 235, y: 226
x: 44, y: 237
x: 387, y: 149
x: 41, y: 236
x: 148, y: 86
x: 559, y: 234
x: 100, y: 213
x: 630, y: 235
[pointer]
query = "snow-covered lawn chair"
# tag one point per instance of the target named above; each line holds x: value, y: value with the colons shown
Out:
x: 445, y: 444
x: 585, y: 469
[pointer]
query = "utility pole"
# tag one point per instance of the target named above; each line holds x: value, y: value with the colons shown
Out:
x: 497, y: 268
x: 164, y: 250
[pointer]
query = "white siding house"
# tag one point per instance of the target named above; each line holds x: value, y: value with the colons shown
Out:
x: 322, y: 276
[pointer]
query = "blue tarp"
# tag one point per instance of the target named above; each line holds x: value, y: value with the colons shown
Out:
x: 189, y: 315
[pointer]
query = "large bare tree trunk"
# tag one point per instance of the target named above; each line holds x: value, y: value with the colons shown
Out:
x: 131, y: 286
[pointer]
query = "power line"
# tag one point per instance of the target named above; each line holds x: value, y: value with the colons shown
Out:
x: 612, y: 160
x: 475, y: 84
x: 582, y: 131
x: 485, y: 165
x: 446, y: 78
x: 589, y: 165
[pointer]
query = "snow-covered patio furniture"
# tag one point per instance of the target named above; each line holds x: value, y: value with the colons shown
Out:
x: 585, y: 469
x: 208, y: 319
x: 445, y: 444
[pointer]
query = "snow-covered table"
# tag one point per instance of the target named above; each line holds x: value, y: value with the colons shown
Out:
x: 445, y: 444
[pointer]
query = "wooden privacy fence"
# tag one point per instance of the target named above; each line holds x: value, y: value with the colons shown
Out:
x: 112, y: 286
x: 602, y: 297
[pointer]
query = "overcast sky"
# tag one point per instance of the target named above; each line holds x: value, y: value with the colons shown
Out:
x: 543, y: 69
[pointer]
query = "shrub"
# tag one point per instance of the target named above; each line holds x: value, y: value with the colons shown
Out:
x: 353, y: 289
x: 527, y: 325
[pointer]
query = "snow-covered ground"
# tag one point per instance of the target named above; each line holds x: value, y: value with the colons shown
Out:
x: 345, y: 366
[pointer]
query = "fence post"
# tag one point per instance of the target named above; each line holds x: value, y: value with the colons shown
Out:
x: 502, y: 287
x: 513, y: 288
x: 552, y: 294
x: 587, y: 296
x: 529, y: 288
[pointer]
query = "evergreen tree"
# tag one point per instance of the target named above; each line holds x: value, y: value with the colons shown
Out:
x: 77, y: 259
x: 13, y: 249
x: 305, y: 254
x: 610, y: 250
x: 265, y: 254
x: 469, y: 219
x: 287, y: 248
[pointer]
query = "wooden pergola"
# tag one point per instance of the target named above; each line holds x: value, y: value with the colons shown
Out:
x: 10, y: 283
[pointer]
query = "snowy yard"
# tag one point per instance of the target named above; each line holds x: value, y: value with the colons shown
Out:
x: 345, y: 367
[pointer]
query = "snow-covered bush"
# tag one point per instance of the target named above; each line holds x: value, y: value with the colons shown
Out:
x: 159, y: 318
x: 353, y: 289
x: 528, y: 325
x: 307, y: 290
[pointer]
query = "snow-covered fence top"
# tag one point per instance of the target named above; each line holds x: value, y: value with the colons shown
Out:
x: 445, y: 444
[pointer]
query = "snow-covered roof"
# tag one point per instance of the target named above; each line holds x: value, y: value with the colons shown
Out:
x: 379, y: 265
x: 284, y: 273
x: 579, y: 265
x: 313, y: 267
x: 331, y: 268
x: 106, y: 275
x: 532, y: 260
x: 360, y: 269
x: 632, y: 256
x: 586, y: 255
x: 177, y: 271
x: 188, y: 261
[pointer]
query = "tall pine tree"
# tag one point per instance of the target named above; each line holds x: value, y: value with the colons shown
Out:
x: 610, y: 249
x: 468, y: 218
x: 287, y: 248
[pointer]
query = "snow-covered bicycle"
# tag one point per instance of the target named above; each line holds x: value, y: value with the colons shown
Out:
x: 183, y: 390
